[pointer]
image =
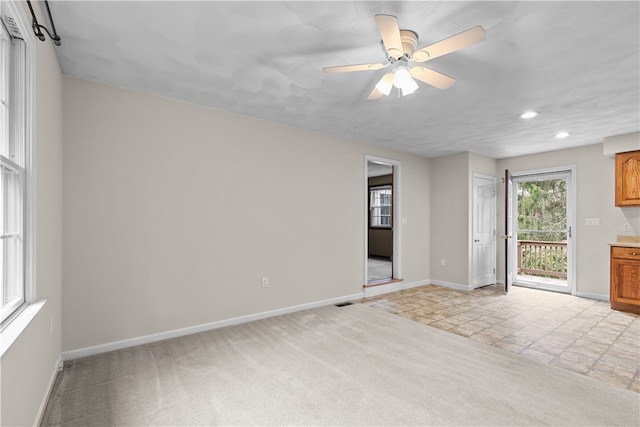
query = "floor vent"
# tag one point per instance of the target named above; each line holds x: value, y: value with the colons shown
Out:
x: 342, y: 304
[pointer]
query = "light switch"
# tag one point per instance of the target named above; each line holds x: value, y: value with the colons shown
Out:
x: 593, y: 222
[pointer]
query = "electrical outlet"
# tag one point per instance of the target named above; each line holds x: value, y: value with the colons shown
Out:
x: 593, y: 222
x: 442, y: 262
x: 265, y: 282
x: 626, y: 226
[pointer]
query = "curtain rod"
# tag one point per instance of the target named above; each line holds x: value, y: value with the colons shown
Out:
x: 37, y: 27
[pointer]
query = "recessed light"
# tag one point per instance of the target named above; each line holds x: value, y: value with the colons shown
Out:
x: 562, y: 135
x: 529, y: 115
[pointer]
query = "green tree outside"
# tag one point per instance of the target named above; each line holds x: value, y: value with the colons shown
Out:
x: 542, y: 217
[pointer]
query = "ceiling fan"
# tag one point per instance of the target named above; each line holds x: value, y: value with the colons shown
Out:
x: 399, y: 46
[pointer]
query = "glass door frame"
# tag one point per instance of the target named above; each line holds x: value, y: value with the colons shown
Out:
x: 569, y: 173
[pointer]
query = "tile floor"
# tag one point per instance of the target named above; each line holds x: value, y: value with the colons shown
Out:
x: 577, y: 334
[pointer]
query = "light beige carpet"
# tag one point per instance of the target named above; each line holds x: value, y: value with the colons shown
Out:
x: 329, y: 366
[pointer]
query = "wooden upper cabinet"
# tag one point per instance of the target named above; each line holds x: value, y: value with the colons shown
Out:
x: 628, y: 179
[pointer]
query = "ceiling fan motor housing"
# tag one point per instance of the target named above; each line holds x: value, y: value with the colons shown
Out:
x: 409, y: 42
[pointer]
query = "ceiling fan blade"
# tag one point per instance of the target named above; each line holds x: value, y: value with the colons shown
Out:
x: 431, y: 77
x: 451, y: 44
x: 349, y: 68
x: 390, y: 33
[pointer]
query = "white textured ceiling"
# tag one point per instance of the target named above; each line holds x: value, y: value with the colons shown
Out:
x: 577, y: 63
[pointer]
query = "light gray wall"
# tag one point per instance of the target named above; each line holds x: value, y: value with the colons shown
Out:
x: 621, y: 143
x: 595, y: 199
x: 451, y: 215
x: 173, y: 213
x: 27, y: 368
x: 450, y: 219
x: 482, y: 165
x: 415, y: 212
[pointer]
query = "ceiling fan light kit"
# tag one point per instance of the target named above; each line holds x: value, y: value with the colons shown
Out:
x: 386, y: 83
x: 402, y: 80
x: 399, y: 47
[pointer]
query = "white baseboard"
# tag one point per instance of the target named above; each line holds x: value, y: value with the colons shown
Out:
x: 131, y: 342
x: 373, y: 291
x: 453, y: 285
x: 412, y: 285
x: 399, y: 286
x: 45, y: 400
x: 590, y: 295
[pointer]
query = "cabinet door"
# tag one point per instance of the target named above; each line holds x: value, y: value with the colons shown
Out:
x: 628, y: 179
x: 625, y: 284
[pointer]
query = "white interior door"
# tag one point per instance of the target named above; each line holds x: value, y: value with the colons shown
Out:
x: 484, y: 230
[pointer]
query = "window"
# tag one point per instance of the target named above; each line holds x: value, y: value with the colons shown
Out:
x: 380, y: 202
x: 13, y: 166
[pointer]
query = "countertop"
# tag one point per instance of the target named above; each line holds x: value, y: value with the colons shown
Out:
x: 625, y: 244
x: 626, y: 241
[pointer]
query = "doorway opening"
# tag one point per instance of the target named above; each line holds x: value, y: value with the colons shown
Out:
x: 542, y: 230
x: 381, y: 247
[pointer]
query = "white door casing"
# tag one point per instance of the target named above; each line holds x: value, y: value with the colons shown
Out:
x: 397, y: 213
x: 509, y: 258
